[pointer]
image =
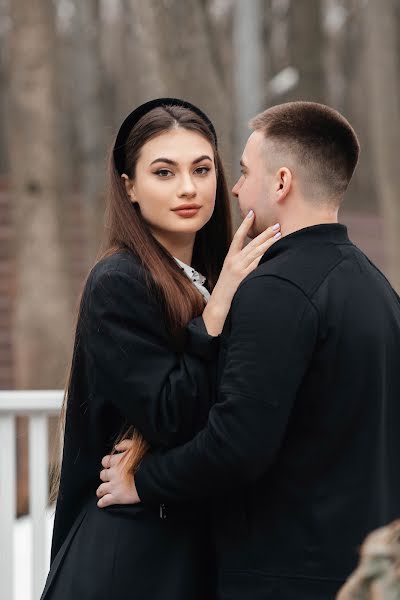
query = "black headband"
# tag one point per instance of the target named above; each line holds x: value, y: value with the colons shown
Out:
x: 138, y: 113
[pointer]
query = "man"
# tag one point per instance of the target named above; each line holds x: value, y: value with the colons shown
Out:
x: 301, y: 452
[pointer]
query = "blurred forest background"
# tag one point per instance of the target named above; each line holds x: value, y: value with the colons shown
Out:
x: 70, y: 70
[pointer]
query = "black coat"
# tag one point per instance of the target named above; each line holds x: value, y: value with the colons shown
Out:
x: 127, y: 370
x: 304, y: 440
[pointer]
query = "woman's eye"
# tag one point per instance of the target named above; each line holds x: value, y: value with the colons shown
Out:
x: 163, y: 172
x: 202, y: 170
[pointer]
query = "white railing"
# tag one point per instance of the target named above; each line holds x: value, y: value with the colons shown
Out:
x: 37, y: 406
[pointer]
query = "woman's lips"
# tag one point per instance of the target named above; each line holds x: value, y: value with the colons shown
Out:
x: 187, y: 212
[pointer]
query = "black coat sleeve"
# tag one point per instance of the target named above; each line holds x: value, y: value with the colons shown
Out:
x: 273, y: 333
x: 163, y: 393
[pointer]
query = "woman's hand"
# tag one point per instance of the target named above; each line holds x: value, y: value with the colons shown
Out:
x: 117, y: 488
x: 239, y: 262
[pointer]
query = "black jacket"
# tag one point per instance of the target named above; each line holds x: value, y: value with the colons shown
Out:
x: 127, y: 370
x: 304, y: 435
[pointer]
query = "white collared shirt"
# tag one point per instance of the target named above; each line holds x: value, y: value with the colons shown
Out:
x: 197, y: 278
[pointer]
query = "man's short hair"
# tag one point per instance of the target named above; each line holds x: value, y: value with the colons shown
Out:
x: 315, y: 139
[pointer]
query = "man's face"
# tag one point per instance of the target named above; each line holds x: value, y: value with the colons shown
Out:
x: 254, y: 189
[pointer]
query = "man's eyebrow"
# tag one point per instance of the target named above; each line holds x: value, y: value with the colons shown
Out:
x: 172, y: 162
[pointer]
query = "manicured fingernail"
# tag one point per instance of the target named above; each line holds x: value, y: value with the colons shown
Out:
x: 278, y: 235
x: 250, y: 214
x: 275, y: 227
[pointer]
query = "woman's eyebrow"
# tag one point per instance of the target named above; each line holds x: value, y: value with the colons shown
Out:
x: 201, y: 158
x: 164, y: 160
x: 168, y: 161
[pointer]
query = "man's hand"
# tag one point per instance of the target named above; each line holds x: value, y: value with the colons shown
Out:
x: 116, y: 488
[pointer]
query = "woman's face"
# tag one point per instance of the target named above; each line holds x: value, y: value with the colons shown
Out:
x: 175, y: 183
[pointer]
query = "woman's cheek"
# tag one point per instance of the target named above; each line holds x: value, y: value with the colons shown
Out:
x: 211, y: 192
x: 153, y: 213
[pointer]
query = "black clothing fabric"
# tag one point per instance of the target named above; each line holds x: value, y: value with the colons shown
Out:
x: 127, y: 371
x: 301, y: 451
x: 129, y: 552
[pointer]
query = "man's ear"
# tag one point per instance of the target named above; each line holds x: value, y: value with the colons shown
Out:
x: 129, y: 187
x: 283, y: 183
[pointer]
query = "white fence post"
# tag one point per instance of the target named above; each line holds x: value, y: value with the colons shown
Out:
x: 7, y: 501
x: 38, y: 496
x: 38, y: 406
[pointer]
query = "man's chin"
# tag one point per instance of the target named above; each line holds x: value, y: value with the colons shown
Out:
x: 253, y: 233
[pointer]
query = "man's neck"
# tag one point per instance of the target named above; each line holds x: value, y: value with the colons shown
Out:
x: 293, y: 223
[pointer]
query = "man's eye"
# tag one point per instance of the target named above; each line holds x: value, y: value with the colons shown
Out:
x: 163, y: 172
x: 202, y: 170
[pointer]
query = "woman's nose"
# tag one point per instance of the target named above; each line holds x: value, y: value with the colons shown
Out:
x: 187, y: 187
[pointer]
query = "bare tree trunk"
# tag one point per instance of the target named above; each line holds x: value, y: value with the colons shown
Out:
x: 42, y: 326
x: 115, y: 50
x: 362, y: 194
x: 249, y: 83
x: 384, y: 96
x: 306, y: 41
x: 334, y: 51
x: 90, y: 118
x: 144, y: 69
x: 3, y: 83
x: 346, y: 72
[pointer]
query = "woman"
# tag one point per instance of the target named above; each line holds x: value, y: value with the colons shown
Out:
x: 144, y: 355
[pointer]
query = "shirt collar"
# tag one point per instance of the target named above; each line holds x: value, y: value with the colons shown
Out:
x: 335, y: 233
x: 197, y: 278
x: 194, y: 275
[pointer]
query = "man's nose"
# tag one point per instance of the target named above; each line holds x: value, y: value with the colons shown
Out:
x: 235, y: 189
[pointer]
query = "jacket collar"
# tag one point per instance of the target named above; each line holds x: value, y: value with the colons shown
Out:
x: 334, y: 233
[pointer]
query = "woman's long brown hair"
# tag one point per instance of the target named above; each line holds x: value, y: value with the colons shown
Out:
x: 180, y: 301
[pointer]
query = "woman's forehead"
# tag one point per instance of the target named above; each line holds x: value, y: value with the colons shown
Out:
x: 177, y: 144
